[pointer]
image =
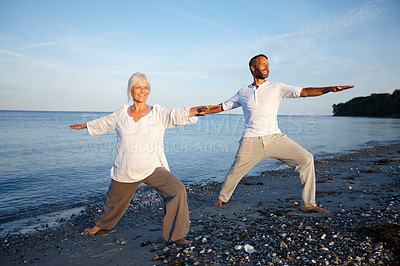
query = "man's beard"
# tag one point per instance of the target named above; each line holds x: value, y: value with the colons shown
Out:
x: 259, y: 75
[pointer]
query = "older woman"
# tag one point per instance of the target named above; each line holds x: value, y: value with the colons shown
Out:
x: 140, y: 159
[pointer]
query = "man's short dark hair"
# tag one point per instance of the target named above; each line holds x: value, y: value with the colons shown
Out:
x: 251, y: 62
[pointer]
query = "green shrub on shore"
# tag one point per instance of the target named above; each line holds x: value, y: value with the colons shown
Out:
x: 375, y: 105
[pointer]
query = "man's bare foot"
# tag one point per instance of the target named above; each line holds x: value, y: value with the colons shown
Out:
x: 218, y: 203
x: 183, y: 242
x: 314, y: 209
x: 91, y: 231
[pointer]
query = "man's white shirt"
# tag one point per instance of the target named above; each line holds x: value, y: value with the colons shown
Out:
x: 260, y: 106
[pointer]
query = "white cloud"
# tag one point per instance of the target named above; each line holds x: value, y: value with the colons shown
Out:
x: 35, y: 45
x: 354, y: 17
x: 199, y: 18
x: 287, y: 44
x: 13, y: 53
x: 22, y: 59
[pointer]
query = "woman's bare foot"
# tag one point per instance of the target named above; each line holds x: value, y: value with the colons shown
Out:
x: 183, y: 242
x: 91, y: 231
x: 218, y: 203
x: 314, y: 209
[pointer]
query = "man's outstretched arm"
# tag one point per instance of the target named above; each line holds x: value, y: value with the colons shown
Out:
x: 214, y: 109
x: 317, y: 91
x: 205, y: 110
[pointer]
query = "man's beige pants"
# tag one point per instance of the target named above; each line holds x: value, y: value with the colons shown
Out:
x: 255, y: 149
x: 176, y: 212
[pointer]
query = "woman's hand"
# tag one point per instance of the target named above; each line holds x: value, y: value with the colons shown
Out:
x: 197, y: 111
x: 201, y: 110
x: 78, y: 126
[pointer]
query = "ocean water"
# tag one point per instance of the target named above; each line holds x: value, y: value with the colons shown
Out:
x: 48, y: 169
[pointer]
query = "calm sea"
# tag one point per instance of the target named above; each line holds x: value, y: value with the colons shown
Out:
x: 46, y: 168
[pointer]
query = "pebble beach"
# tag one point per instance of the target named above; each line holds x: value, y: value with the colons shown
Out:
x: 261, y: 225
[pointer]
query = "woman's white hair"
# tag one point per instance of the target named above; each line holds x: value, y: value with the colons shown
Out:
x: 134, y: 79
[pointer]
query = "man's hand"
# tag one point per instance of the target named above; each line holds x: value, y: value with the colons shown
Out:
x: 204, y: 110
x: 212, y: 109
x: 336, y: 88
x: 341, y: 88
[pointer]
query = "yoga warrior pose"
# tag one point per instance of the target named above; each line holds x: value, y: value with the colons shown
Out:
x: 262, y: 137
x: 140, y: 159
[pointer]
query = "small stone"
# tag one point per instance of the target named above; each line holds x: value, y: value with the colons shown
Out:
x: 323, y: 236
x: 276, y: 260
x: 249, y: 248
x: 283, y: 245
x: 238, y: 247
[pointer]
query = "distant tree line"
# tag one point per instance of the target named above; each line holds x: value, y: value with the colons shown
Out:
x: 375, y: 105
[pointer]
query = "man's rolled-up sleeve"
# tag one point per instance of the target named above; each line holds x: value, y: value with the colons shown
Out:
x: 231, y: 103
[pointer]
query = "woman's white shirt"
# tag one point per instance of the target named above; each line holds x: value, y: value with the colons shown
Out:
x: 140, y: 145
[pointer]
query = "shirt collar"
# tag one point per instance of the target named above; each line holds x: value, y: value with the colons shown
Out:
x: 251, y: 86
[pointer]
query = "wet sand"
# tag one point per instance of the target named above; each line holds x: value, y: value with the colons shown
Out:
x: 261, y: 225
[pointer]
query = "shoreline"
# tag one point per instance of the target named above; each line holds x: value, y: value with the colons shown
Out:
x: 360, y: 189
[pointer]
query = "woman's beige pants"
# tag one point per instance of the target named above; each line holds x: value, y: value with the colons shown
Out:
x: 176, y: 212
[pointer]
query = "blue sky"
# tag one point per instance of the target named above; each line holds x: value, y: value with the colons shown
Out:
x: 79, y: 55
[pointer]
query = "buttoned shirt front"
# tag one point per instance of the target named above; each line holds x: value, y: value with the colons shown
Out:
x: 260, y: 106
